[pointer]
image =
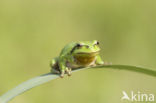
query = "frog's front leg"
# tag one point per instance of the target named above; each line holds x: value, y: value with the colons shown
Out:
x: 63, y: 67
x: 99, y: 61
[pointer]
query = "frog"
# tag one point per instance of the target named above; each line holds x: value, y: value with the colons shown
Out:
x: 76, y: 55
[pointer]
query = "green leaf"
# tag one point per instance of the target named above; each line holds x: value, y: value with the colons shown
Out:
x: 36, y: 81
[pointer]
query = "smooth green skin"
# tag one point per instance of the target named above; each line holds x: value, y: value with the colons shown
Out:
x: 66, y: 60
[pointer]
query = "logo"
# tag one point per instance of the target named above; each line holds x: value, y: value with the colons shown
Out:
x: 138, y: 96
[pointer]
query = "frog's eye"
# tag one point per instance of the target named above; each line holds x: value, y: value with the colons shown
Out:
x: 79, y: 45
x: 97, y: 43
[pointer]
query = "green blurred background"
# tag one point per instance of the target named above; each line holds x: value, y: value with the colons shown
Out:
x: 32, y: 32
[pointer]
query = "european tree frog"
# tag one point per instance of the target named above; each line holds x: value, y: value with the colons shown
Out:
x: 75, y: 55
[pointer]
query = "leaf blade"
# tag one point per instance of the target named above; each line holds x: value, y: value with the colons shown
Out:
x: 36, y: 81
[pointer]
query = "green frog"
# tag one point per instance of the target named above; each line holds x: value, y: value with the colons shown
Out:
x: 75, y: 55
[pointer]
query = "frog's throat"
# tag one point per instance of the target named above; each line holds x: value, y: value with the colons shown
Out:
x: 85, y: 58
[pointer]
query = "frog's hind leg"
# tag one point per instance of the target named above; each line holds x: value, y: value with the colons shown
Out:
x: 54, y: 66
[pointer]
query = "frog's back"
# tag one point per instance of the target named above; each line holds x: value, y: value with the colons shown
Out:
x: 67, y: 49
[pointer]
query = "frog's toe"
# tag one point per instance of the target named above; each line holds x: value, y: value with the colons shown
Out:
x: 68, y: 71
x: 62, y: 74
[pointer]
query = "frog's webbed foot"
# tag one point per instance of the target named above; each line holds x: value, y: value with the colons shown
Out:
x: 66, y: 70
x: 62, y: 74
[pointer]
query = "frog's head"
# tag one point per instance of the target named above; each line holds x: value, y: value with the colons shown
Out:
x: 86, y: 48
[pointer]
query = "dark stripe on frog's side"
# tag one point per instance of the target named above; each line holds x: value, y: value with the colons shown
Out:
x: 77, y: 46
x: 73, y: 49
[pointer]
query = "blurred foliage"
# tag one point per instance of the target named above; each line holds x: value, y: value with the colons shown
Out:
x: 34, y: 31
